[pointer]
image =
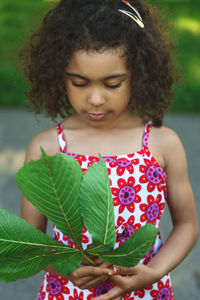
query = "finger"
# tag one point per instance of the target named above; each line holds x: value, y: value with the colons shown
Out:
x: 95, y: 282
x: 122, y: 281
x: 90, y: 271
x: 106, y: 265
x: 111, y: 295
x: 123, y: 271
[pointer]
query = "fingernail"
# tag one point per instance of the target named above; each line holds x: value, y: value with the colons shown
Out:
x: 110, y: 273
x: 115, y: 269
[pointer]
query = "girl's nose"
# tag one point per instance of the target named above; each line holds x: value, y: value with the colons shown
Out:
x: 96, y: 98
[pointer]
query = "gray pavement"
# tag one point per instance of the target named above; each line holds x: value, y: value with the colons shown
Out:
x: 16, y: 130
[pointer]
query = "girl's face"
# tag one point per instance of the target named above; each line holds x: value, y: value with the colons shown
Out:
x: 98, y: 86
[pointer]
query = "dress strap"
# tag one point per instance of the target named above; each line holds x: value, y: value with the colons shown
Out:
x: 61, y: 138
x: 146, y: 133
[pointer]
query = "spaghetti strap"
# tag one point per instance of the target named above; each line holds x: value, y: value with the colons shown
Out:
x: 61, y: 138
x: 145, y: 139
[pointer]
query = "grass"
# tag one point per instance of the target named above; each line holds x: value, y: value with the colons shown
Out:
x: 18, y: 18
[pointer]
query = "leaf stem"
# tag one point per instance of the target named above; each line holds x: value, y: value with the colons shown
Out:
x: 97, y: 247
x: 86, y: 257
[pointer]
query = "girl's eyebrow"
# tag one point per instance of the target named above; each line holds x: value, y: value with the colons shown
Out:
x: 105, y: 78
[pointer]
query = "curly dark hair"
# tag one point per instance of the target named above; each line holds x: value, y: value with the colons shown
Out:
x: 97, y: 25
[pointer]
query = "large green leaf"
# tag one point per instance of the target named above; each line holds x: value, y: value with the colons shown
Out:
x: 97, y: 205
x: 56, y: 186
x: 52, y: 185
x: 25, y: 251
x: 132, y: 251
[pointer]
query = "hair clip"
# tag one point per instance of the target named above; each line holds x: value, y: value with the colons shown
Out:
x: 136, y: 17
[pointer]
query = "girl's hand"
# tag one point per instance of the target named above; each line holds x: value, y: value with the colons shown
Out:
x: 89, y: 276
x: 129, y: 279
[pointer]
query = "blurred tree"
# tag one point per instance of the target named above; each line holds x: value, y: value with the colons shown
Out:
x: 19, y: 18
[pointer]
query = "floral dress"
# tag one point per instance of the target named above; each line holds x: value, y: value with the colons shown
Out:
x: 138, y: 186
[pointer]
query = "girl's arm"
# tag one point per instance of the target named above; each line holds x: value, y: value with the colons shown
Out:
x: 185, y: 226
x: 85, y: 276
x: 182, y: 208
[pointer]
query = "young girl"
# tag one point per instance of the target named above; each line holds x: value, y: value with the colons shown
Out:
x: 106, y: 67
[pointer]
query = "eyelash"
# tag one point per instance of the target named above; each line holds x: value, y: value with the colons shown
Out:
x: 109, y: 86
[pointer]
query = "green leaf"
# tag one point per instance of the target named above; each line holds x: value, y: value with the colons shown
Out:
x: 67, y: 264
x: 97, y: 205
x: 97, y: 247
x: 52, y: 184
x: 25, y: 251
x: 133, y: 250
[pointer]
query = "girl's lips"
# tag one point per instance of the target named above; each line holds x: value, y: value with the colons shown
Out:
x: 96, y: 117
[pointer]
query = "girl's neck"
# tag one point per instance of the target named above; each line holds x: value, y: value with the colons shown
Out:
x: 126, y: 120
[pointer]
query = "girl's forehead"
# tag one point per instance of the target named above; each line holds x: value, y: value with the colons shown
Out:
x: 93, y: 63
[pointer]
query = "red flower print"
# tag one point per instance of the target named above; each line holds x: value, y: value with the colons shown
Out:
x: 102, y: 288
x: 152, y: 174
x: 164, y: 292
x: 125, y: 229
x: 59, y: 128
x: 83, y: 171
x: 128, y: 297
x: 124, y: 164
x: 145, y: 139
x: 76, y: 296
x: 146, y: 135
x: 165, y: 191
x: 126, y: 195
x: 148, y: 256
x: 63, y: 150
x: 69, y: 241
x: 92, y: 159
x: 141, y: 293
x: 90, y: 296
x: 131, y: 155
x: 56, y: 234
x: 121, y: 164
x: 41, y: 294
x: 84, y: 238
x: 135, y: 161
x: 153, y: 210
x: 112, y: 160
x: 79, y: 158
x: 147, y: 152
x: 56, y: 287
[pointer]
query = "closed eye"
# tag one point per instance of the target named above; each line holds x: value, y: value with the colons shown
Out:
x: 79, y: 85
x: 107, y: 85
x: 113, y: 86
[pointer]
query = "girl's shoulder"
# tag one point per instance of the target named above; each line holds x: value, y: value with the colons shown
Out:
x: 46, y: 139
x: 169, y: 144
x: 165, y: 136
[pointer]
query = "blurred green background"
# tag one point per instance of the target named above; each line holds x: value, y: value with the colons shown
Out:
x: 18, y: 19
